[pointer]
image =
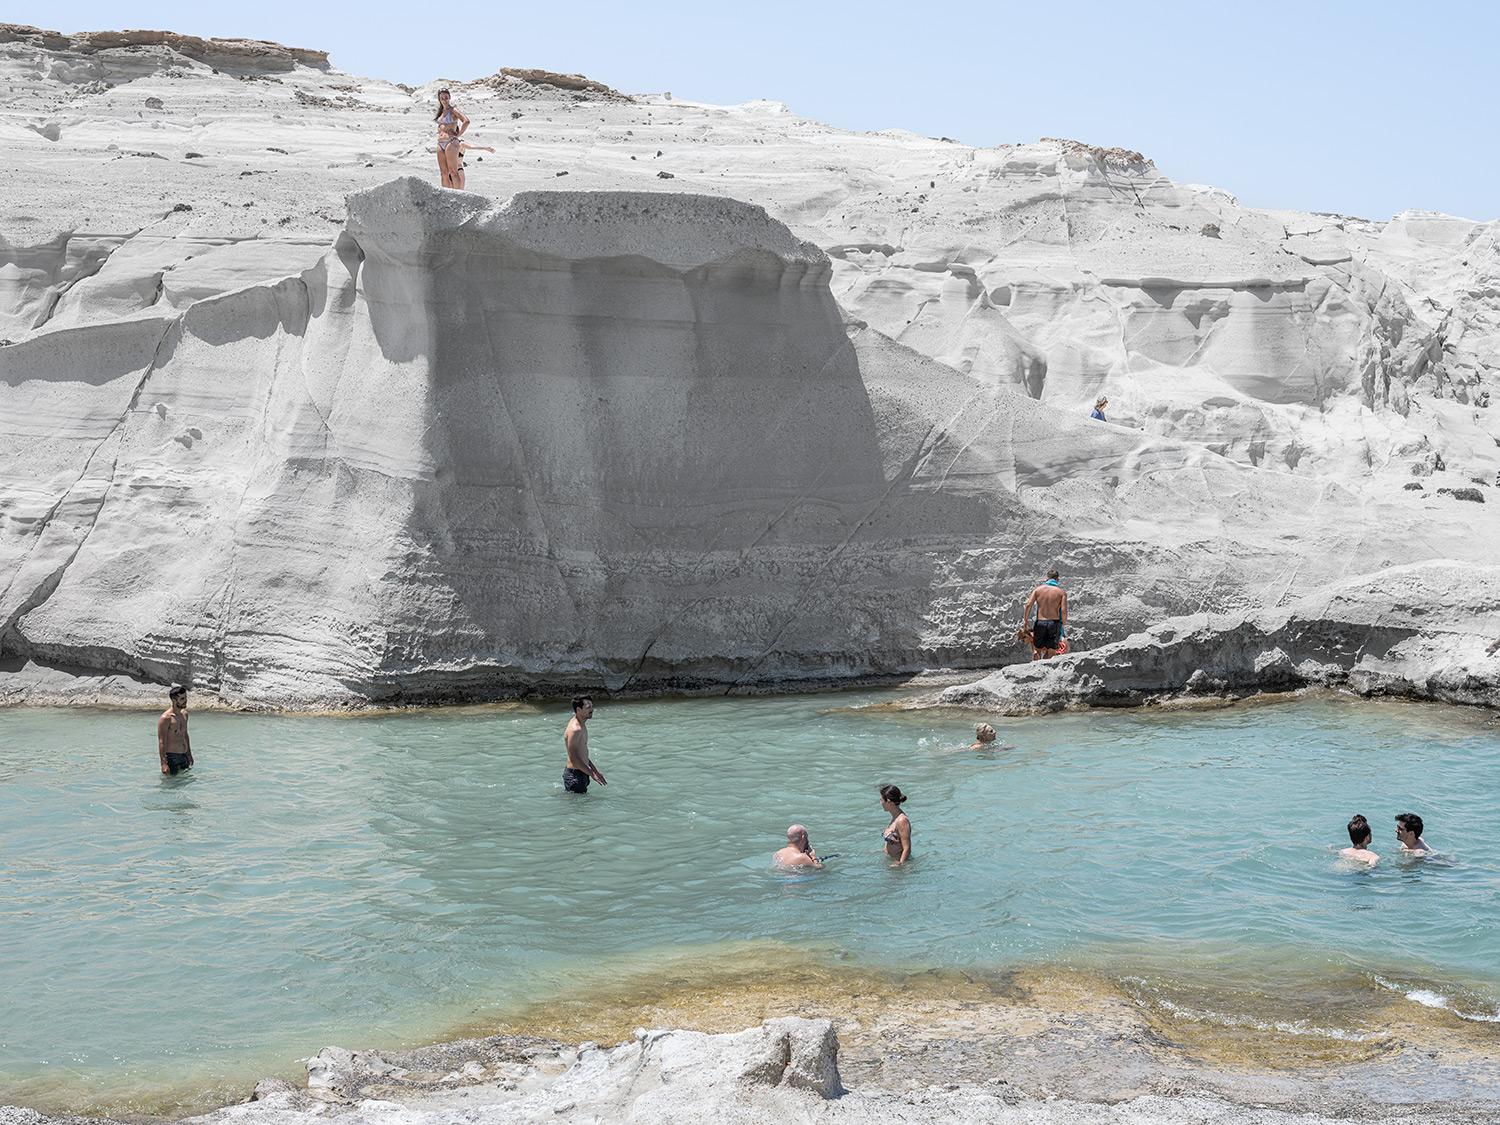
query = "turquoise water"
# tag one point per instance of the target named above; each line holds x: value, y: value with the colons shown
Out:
x: 382, y: 880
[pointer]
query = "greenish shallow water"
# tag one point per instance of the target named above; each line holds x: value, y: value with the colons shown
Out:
x: 382, y: 880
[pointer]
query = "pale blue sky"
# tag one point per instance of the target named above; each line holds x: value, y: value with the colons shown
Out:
x: 1365, y: 108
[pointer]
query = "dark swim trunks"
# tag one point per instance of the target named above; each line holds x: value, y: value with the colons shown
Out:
x: 1046, y: 634
x: 575, y: 781
x: 176, y: 763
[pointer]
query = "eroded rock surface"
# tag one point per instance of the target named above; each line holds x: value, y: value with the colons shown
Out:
x: 1428, y: 631
x: 308, y: 452
x: 787, y: 1070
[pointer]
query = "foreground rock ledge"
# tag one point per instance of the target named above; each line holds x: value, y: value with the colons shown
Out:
x: 785, y: 1070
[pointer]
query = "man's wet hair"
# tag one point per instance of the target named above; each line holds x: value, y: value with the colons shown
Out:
x: 580, y: 700
x: 1052, y: 573
x: 1409, y: 822
x: 1359, y: 831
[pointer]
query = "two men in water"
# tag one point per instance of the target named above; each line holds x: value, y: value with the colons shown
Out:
x: 1050, y: 601
x: 580, y: 769
x: 1408, y: 835
x: 173, y: 747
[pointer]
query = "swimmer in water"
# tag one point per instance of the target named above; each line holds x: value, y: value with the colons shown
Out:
x: 984, y: 737
x: 798, y: 851
x: 1359, y: 839
x: 1409, y: 833
x: 897, y: 836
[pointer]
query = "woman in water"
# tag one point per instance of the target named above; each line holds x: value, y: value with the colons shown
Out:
x: 984, y: 736
x: 451, y: 124
x: 897, y: 836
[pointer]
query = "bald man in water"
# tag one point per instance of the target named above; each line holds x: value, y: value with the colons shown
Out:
x: 798, y: 851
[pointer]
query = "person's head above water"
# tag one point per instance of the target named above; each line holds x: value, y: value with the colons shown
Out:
x: 796, y: 837
x: 1408, y: 828
x: 892, y: 795
x: 583, y: 706
x: 1359, y: 831
x: 984, y: 732
x: 177, y: 694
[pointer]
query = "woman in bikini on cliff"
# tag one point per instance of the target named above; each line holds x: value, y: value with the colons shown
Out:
x: 451, y: 124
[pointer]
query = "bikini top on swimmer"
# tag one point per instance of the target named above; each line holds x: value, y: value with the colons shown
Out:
x: 890, y: 835
x: 447, y: 118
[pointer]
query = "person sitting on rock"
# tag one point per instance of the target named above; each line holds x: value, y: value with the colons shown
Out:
x: 1409, y: 833
x: 984, y: 736
x: 798, y: 851
x: 465, y: 146
x: 1099, y: 404
x: 1359, y: 839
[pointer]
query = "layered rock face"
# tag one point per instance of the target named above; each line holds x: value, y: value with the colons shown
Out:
x: 572, y: 437
x: 430, y: 445
x: 1404, y: 632
x: 63, y: 51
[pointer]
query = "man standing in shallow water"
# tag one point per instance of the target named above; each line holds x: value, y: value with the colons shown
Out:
x: 580, y: 767
x: 173, y: 747
x: 1051, y: 602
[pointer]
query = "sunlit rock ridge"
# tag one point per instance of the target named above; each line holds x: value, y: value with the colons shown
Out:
x: 677, y: 395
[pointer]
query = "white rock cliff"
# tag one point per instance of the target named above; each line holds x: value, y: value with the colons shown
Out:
x: 643, y: 434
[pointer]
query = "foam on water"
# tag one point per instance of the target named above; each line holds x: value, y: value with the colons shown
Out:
x: 1460, y: 1006
x: 389, y: 880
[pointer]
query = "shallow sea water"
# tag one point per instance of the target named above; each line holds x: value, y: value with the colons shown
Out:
x: 383, y: 881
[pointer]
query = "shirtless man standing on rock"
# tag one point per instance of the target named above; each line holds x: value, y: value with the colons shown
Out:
x: 1051, y: 602
x: 172, y: 744
x: 580, y: 767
